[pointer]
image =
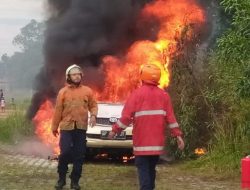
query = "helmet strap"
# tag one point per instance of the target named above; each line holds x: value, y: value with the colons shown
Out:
x: 69, y: 81
x: 150, y: 82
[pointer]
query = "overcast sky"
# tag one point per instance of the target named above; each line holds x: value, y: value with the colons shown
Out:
x: 14, y: 14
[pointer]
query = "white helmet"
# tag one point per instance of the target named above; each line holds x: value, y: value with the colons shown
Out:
x: 72, y: 70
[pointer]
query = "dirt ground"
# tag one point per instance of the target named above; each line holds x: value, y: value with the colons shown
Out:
x: 22, y: 172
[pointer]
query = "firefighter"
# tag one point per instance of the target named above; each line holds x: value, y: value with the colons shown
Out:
x: 73, y: 103
x: 149, y: 108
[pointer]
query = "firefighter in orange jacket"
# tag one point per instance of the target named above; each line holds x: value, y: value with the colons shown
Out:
x: 149, y: 108
x: 73, y: 103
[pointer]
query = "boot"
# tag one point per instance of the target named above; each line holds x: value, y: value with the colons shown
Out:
x: 60, y: 184
x: 74, y: 185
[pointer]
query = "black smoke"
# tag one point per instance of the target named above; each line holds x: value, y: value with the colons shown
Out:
x: 82, y: 32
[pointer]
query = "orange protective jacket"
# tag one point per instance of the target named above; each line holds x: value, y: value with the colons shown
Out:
x: 72, y: 107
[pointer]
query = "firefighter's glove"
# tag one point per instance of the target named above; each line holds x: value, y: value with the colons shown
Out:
x: 180, y: 143
x: 55, y: 132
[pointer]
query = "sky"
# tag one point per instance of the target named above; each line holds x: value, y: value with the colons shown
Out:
x: 15, y: 14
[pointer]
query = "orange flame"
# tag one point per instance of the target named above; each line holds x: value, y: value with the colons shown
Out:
x: 126, y: 159
x: 199, y: 151
x: 42, y: 120
x: 176, y: 18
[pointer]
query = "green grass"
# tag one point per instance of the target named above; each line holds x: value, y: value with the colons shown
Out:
x: 222, y: 161
x: 15, y: 126
x: 225, y: 154
x: 109, y: 176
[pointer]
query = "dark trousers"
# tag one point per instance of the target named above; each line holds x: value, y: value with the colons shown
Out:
x: 146, y: 171
x: 73, y: 148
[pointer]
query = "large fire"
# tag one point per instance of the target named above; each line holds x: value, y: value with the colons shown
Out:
x: 43, y: 120
x: 176, y: 17
x: 122, y: 74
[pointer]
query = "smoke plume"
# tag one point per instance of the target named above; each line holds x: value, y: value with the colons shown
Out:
x: 84, y: 31
x: 81, y: 32
x: 33, y: 147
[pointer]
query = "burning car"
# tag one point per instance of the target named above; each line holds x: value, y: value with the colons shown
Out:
x: 97, y: 136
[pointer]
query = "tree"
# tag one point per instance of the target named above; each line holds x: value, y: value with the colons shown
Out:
x: 30, y: 36
x: 4, y: 57
x: 23, y: 66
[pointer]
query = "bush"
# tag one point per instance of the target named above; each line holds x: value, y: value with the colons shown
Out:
x: 228, y: 92
x: 14, y: 127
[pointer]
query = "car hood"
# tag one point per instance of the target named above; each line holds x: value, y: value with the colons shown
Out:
x: 108, y: 110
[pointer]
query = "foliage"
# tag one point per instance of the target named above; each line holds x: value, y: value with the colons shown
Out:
x: 244, y: 85
x: 213, y: 106
x: 14, y: 127
x: 30, y: 35
x: 21, y: 68
x: 228, y: 91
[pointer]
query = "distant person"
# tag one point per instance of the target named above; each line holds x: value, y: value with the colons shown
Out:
x: 149, y: 108
x: 73, y: 103
x: 2, y: 104
x: 1, y: 94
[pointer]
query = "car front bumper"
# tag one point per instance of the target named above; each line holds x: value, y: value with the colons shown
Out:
x: 100, y: 143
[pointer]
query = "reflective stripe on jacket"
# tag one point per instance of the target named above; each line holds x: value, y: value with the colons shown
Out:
x: 149, y: 108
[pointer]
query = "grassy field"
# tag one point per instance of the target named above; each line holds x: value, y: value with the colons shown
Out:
x: 101, y: 175
x: 109, y: 176
x: 13, y: 123
x: 15, y: 126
